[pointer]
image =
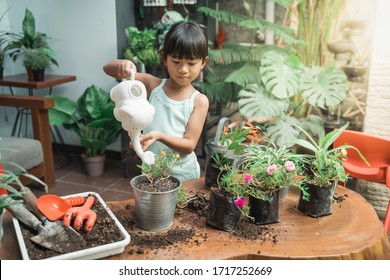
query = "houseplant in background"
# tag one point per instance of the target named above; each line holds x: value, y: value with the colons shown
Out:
x: 142, y: 47
x: 155, y: 192
x: 4, y: 47
x: 29, y: 39
x: 37, y: 60
x: 261, y: 172
x: 324, y: 169
x: 92, y: 119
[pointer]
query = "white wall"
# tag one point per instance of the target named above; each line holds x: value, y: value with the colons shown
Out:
x: 83, y: 35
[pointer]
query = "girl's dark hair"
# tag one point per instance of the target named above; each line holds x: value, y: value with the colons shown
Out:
x: 185, y: 40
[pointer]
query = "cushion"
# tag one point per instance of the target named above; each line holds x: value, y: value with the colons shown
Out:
x: 22, y: 151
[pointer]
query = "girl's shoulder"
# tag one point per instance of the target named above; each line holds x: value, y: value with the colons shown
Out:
x: 201, y: 100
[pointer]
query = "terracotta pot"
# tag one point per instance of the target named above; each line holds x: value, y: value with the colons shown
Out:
x: 320, y: 202
x: 94, y: 166
x: 265, y: 211
x: 222, y: 213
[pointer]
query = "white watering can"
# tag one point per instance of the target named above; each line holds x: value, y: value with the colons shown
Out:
x: 134, y: 111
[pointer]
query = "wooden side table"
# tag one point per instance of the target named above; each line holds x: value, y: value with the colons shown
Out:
x: 21, y: 81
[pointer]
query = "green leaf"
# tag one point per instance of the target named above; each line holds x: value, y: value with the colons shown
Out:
x: 283, y: 132
x: 28, y: 27
x: 323, y: 88
x: 248, y: 74
x: 63, y: 112
x: 253, y: 101
x: 279, y: 78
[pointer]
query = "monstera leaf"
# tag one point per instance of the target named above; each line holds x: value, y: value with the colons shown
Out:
x: 254, y: 102
x: 248, y: 74
x: 323, y: 87
x: 280, y: 74
x: 283, y: 132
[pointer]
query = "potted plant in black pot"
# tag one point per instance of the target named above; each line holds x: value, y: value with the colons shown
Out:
x: 324, y: 169
x: 261, y: 173
x: 37, y: 60
x: 29, y: 39
x: 92, y: 119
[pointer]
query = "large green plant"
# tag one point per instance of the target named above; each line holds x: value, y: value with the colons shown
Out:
x: 91, y: 118
x: 29, y: 39
x: 270, y: 82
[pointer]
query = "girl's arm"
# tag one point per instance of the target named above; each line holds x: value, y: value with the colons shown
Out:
x: 120, y: 69
x: 188, y: 142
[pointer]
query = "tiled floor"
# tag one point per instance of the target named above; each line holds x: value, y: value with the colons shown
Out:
x: 112, y: 185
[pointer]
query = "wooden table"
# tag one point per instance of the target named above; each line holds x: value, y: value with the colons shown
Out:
x: 21, y: 81
x: 353, y: 231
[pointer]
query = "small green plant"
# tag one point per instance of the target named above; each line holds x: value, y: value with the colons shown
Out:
x: 10, y: 184
x: 263, y: 170
x: 326, y: 163
x: 36, y: 59
x: 29, y: 39
x: 162, y: 167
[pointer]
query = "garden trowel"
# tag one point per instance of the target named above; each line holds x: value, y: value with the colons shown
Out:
x: 51, y: 235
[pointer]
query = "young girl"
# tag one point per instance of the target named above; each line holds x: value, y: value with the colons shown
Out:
x: 180, y: 109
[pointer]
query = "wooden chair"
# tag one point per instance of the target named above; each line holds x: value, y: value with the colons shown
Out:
x: 377, y: 152
x: 41, y: 130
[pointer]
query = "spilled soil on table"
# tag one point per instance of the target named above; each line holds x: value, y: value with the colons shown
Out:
x: 182, y: 232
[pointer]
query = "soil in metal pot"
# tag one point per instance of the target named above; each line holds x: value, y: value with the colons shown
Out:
x: 163, y: 185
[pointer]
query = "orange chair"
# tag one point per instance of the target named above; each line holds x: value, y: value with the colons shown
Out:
x: 377, y: 152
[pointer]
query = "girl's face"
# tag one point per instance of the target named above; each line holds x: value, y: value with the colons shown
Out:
x: 184, y: 71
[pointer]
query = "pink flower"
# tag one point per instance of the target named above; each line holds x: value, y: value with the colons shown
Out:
x: 271, y: 169
x: 240, y: 202
x: 290, y: 166
x: 248, y: 178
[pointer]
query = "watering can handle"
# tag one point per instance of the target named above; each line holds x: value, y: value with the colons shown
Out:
x: 220, y: 127
x: 132, y: 76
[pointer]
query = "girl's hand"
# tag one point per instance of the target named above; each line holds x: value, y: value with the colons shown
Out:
x: 119, y: 68
x: 148, y: 139
x: 124, y: 67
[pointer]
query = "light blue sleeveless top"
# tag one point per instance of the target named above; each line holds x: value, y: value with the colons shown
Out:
x: 171, y: 117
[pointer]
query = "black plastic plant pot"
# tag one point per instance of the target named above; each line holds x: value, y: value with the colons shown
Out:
x: 265, y: 211
x: 211, y: 174
x: 222, y: 213
x: 320, y: 201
